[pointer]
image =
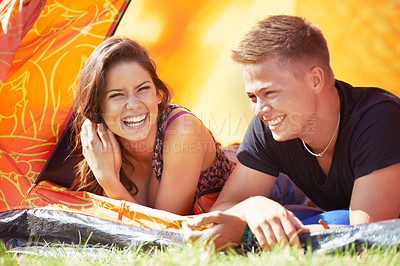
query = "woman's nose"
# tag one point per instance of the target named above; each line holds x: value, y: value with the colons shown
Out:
x: 132, y: 101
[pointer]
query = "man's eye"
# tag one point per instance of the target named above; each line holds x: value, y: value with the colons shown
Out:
x: 253, y: 98
x: 269, y: 93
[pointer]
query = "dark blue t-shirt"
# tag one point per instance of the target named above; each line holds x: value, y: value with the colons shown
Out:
x: 368, y: 140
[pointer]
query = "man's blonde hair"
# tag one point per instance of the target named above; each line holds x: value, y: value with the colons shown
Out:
x: 297, y: 43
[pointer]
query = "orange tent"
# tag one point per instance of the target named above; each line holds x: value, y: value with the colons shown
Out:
x: 44, y: 44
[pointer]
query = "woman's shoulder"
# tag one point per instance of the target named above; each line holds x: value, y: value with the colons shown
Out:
x: 170, y: 111
x: 173, y: 109
x: 175, y: 112
x: 181, y: 121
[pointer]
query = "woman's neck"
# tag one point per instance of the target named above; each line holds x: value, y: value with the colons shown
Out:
x: 140, y: 150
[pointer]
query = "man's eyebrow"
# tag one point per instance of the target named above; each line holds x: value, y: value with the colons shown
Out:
x: 264, y: 88
x: 141, y: 84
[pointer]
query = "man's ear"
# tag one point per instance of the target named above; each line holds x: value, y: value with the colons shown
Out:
x: 317, y: 76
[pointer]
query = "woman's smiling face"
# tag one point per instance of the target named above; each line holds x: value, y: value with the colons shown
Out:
x: 130, y: 104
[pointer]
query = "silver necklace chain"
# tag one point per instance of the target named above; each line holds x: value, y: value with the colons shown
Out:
x: 320, y: 154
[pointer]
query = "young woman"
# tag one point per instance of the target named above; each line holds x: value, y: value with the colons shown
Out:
x: 136, y: 145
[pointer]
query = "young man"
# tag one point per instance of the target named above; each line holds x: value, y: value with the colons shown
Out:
x: 339, y: 144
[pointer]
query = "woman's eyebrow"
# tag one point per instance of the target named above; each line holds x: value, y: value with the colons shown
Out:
x: 141, y: 84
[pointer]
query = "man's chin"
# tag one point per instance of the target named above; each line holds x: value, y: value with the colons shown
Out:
x: 280, y: 137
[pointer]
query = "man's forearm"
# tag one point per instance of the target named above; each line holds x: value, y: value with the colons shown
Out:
x: 235, y: 208
x: 223, y: 206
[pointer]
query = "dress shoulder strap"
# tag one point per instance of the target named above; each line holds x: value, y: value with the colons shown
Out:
x: 174, y: 117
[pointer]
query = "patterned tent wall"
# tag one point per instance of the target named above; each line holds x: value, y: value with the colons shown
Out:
x: 36, y: 97
x: 41, y: 64
x: 190, y: 41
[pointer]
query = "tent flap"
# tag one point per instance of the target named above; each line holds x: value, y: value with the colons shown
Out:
x: 38, y: 226
x: 42, y: 38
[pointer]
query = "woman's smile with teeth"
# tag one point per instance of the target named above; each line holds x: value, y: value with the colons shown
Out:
x: 275, y: 121
x: 134, y: 120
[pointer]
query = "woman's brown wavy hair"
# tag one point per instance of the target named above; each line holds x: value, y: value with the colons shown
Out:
x: 91, y: 88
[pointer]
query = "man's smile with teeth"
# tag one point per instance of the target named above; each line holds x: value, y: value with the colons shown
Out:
x: 274, y: 121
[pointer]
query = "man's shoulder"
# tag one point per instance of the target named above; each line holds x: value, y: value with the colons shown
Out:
x: 375, y: 93
x: 359, y: 100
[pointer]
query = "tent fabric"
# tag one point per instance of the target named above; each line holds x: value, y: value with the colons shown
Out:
x: 47, y: 195
x: 38, y: 227
x: 39, y: 39
x: 17, y: 18
x: 385, y: 234
x: 378, y: 234
x: 36, y: 97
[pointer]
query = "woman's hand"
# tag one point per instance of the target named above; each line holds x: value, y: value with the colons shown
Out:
x: 102, y: 152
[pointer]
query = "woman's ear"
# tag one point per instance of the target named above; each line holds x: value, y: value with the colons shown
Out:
x: 159, y: 97
x: 97, y: 119
x: 102, y: 121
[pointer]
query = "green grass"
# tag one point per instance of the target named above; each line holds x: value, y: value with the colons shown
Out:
x: 192, y: 255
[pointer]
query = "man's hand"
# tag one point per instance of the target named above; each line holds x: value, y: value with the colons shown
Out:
x: 226, y: 229
x: 268, y: 220
x: 271, y: 223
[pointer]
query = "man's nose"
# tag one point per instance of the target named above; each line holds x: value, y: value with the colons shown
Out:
x: 262, y: 109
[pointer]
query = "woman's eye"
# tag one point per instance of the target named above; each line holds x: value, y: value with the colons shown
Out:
x: 115, y: 95
x: 143, y: 88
